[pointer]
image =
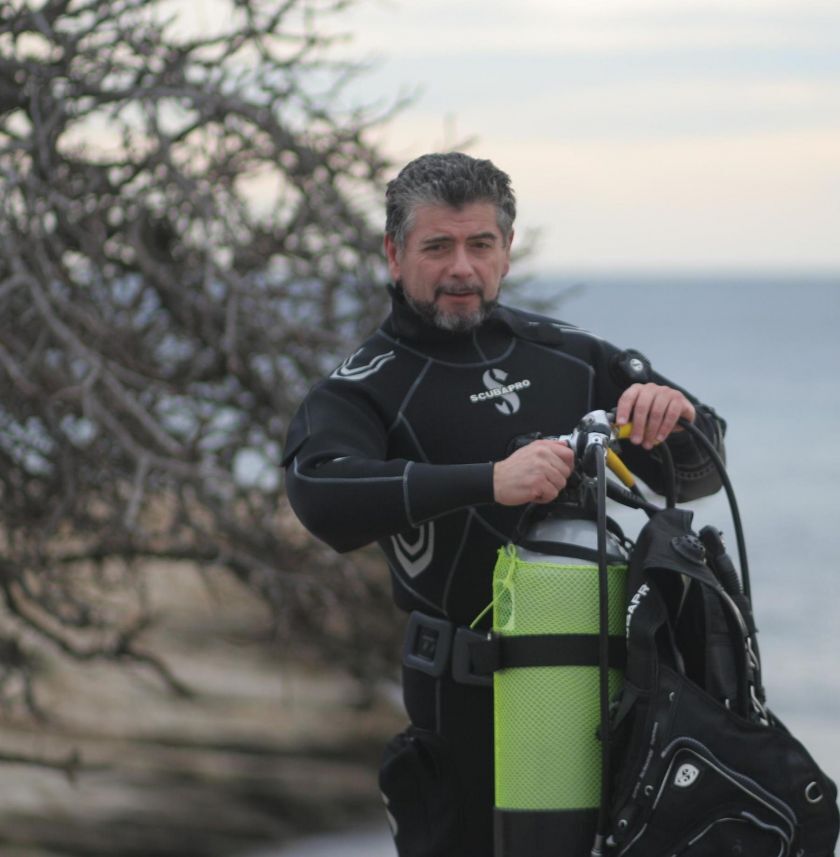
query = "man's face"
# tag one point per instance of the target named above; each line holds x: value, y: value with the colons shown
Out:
x: 452, y: 264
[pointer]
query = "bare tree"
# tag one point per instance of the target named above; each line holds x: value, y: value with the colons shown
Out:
x: 186, y: 245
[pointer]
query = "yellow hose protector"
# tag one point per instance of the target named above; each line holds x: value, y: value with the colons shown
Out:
x: 623, y: 432
x: 620, y: 469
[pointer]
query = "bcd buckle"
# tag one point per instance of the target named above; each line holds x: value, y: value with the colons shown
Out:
x: 465, y: 669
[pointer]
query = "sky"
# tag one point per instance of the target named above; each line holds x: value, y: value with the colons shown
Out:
x: 639, y: 134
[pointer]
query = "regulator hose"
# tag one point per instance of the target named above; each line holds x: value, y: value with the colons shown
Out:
x: 709, y: 447
x: 603, y: 647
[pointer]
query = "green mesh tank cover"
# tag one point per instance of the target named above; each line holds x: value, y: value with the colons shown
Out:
x: 547, y: 755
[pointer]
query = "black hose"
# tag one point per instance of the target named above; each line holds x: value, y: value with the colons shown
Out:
x: 709, y: 447
x: 669, y: 475
x: 603, y: 648
x: 633, y: 499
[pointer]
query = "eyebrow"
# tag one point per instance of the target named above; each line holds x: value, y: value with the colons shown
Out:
x: 479, y: 236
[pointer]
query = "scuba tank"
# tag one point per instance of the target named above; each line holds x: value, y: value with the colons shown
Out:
x: 559, y: 597
x: 547, y: 697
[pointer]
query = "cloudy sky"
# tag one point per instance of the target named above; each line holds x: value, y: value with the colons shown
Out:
x: 639, y: 133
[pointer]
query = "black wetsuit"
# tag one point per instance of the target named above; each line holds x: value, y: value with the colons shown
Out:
x: 397, y: 446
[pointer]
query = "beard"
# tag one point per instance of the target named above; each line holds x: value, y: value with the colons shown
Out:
x: 454, y: 322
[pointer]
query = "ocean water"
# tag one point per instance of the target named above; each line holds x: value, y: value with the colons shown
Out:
x: 764, y: 351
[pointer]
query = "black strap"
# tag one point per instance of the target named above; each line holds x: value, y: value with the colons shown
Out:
x: 543, y: 650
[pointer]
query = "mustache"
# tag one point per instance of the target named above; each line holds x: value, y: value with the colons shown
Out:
x: 458, y: 289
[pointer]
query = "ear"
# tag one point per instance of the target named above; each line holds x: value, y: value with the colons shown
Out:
x: 391, y: 254
x: 507, y: 254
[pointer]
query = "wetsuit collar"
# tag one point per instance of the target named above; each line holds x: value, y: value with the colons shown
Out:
x: 406, y: 324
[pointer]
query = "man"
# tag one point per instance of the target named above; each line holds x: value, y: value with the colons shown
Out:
x: 408, y: 442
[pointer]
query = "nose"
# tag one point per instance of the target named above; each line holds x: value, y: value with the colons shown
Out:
x: 461, y: 267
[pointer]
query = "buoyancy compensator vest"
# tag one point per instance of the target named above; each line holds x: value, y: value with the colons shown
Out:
x: 702, y: 768
x: 687, y: 760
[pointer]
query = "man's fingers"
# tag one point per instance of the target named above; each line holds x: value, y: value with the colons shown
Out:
x: 669, y: 421
x: 655, y: 429
x: 639, y: 416
x: 537, y: 473
x: 624, y: 408
x: 558, y: 461
x: 654, y: 410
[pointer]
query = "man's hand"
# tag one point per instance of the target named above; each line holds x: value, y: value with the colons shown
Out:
x: 536, y: 473
x: 654, y: 411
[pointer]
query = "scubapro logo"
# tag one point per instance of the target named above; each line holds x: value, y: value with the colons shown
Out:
x: 635, y: 601
x: 494, y: 381
x: 348, y: 372
x: 686, y: 776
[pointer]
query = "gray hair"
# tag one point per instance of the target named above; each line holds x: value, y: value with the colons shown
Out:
x: 452, y: 179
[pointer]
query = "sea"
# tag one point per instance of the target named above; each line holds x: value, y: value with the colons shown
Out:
x: 764, y: 350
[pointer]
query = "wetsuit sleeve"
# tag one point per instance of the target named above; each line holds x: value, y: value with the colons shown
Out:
x: 696, y: 474
x: 348, y: 493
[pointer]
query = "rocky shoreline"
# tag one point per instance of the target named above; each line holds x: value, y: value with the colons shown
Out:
x: 263, y: 752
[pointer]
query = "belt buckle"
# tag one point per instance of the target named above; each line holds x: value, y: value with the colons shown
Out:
x: 427, y: 644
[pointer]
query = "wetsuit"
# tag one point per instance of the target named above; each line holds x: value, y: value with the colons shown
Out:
x: 397, y: 446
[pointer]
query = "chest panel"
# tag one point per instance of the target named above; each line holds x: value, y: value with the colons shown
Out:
x: 466, y: 414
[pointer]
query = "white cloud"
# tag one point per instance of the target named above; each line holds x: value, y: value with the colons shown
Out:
x: 643, y: 132
x: 637, y: 131
x: 439, y: 27
x: 756, y: 200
